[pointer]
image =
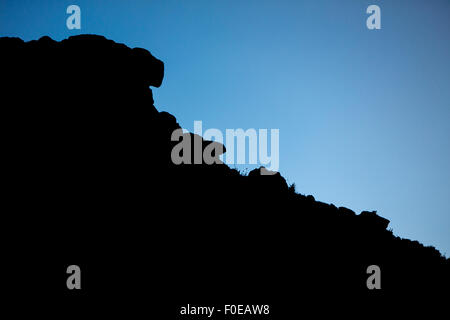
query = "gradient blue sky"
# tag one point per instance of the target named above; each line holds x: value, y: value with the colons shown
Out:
x: 363, y: 115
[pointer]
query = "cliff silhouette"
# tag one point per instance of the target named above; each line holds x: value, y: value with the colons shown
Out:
x: 89, y: 181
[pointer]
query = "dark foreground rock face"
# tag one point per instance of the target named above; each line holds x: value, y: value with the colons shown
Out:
x: 89, y: 181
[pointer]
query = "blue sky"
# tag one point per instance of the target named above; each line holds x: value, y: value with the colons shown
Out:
x: 363, y: 114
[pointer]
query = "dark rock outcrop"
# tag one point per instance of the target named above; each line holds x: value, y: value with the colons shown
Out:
x: 90, y: 181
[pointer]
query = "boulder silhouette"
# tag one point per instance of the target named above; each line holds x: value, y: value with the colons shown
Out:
x: 373, y: 220
x: 90, y: 181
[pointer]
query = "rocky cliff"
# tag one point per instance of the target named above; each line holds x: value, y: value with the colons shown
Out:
x: 89, y: 181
